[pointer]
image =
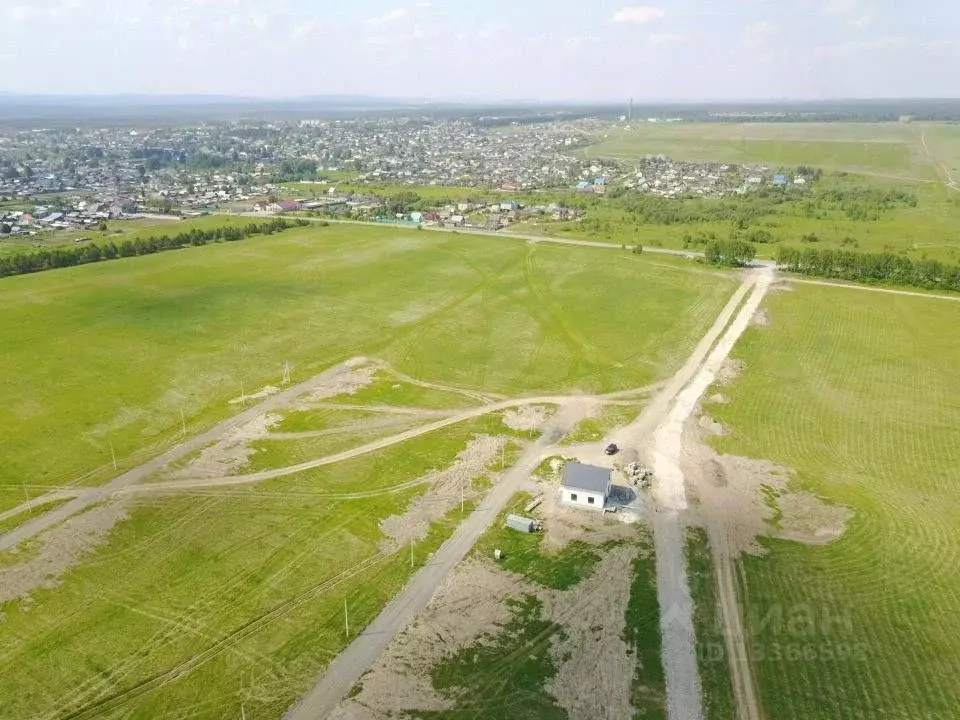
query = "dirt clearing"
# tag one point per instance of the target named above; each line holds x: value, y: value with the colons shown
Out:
x: 469, y: 603
x: 446, y: 487
x: 594, y: 667
x: 526, y: 417
x: 749, y: 498
x: 61, y: 548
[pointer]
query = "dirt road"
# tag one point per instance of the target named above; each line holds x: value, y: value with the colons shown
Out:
x: 741, y: 673
x: 357, y: 658
x: 656, y: 435
x: 869, y: 288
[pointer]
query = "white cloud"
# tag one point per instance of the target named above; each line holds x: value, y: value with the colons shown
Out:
x: 840, y: 7
x: 389, y: 17
x: 756, y: 34
x: 303, y: 29
x: 638, y: 14
x: 861, y: 21
x: 668, y: 39
x: 848, y: 49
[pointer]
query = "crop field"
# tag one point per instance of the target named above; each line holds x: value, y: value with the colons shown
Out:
x: 104, y: 358
x: 857, y: 393
x: 885, y: 149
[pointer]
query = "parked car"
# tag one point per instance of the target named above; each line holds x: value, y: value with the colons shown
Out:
x: 611, y: 449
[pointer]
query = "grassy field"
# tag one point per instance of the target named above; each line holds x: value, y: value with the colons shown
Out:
x: 109, y: 354
x: 857, y: 392
x: 886, y: 149
x: 199, y: 603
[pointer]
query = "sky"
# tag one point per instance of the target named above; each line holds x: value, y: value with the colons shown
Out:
x: 570, y: 50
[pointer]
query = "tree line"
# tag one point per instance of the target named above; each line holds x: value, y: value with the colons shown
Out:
x: 870, y: 267
x: 733, y: 253
x: 24, y: 263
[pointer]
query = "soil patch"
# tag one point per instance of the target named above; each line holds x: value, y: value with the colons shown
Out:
x: 469, y: 603
x: 761, y: 318
x: 730, y: 371
x: 345, y: 379
x: 744, y: 498
x: 711, y: 425
x: 594, y: 667
x: 230, y: 452
x: 63, y: 547
x: 526, y: 417
x: 719, y: 399
x: 563, y: 524
x: 264, y: 392
x: 443, y: 495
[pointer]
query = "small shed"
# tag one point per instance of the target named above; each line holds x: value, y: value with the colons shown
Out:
x: 585, y: 485
x: 522, y: 524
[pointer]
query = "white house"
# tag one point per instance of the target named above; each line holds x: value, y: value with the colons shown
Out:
x: 585, y: 485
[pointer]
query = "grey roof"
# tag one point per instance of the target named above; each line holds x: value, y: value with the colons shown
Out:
x: 588, y: 478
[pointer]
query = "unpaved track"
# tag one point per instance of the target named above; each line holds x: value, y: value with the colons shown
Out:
x: 741, y: 673
x: 386, y: 442
x: 360, y: 655
x: 93, y: 495
x: 869, y: 288
x: 684, y: 700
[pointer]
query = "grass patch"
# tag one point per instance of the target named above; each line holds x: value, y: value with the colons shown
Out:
x: 386, y: 389
x: 502, y: 675
x: 523, y: 552
x: 712, y: 660
x: 648, y: 693
x: 856, y: 392
x: 597, y: 428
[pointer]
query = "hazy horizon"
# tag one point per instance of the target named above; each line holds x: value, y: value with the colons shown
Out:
x: 558, y: 51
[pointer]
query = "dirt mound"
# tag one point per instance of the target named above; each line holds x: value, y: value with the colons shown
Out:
x: 63, y: 546
x: 526, y: 417
x: 747, y: 498
x: 730, y: 371
x: 443, y: 494
x: 761, y: 318
x: 711, y: 426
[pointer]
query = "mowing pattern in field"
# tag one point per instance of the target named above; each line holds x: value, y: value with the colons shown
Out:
x: 111, y: 353
x: 858, y: 393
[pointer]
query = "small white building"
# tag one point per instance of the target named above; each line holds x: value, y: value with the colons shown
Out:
x: 585, y: 485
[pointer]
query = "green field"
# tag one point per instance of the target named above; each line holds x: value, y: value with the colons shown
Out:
x: 885, y: 149
x: 200, y: 603
x: 111, y: 353
x: 857, y: 392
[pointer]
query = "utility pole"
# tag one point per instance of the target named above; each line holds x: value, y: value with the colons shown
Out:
x: 411, y: 554
x: 183, y: 422
x: 461, y: 496
x: 113, y: 455
x: 346, y: 619
x: 243, y: 395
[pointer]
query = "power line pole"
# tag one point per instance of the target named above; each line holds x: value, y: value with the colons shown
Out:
x: 346, y: 619
x: 183, y: 422
x: 113, y: 455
